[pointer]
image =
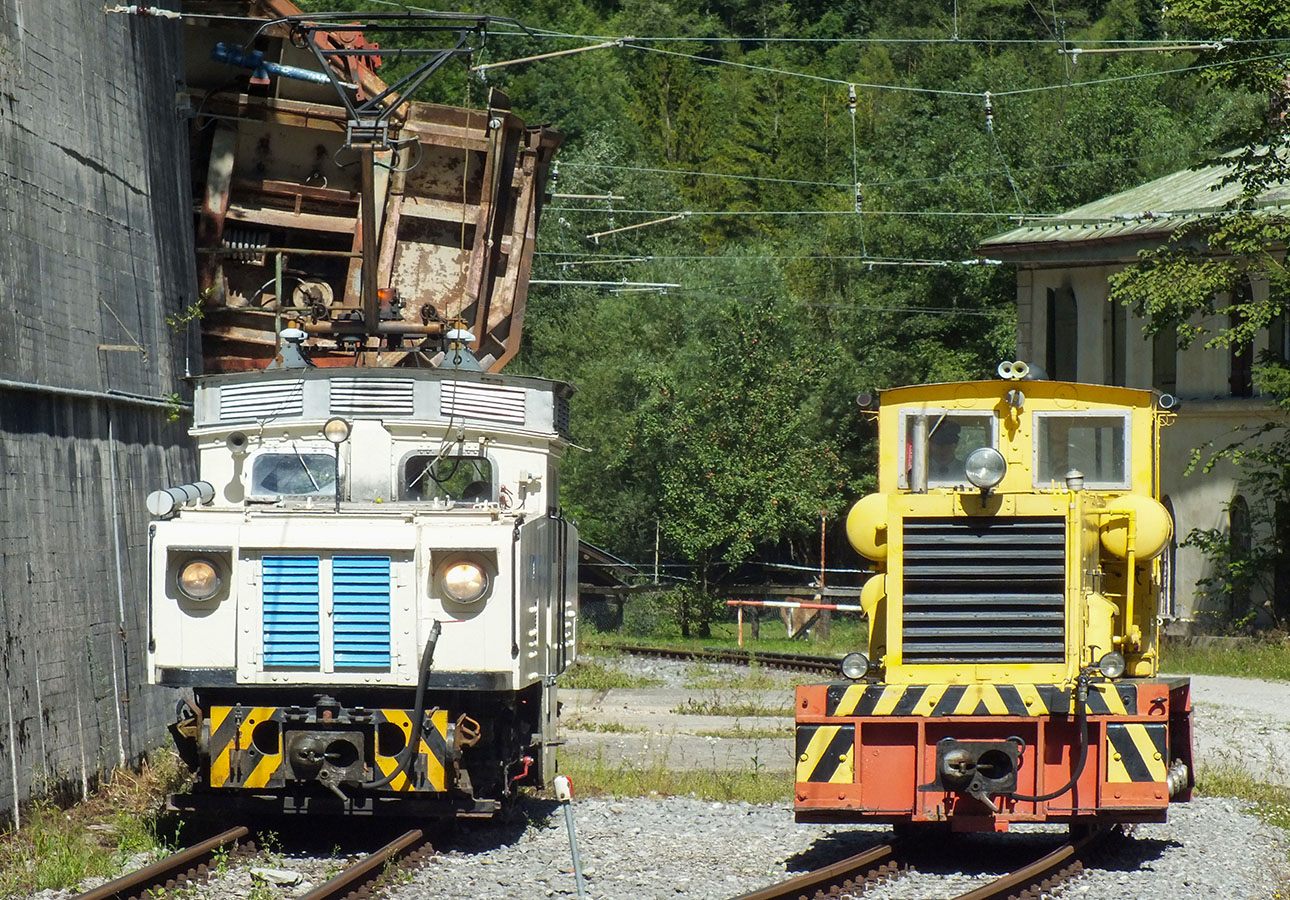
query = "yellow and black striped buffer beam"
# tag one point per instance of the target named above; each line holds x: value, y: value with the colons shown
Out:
x: 1136, y: 751
x: 826, y: 753
x: 983, y: 699
x: 235, y: 762
x: 432, y: 752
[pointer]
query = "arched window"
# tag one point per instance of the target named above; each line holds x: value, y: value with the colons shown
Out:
x: 1240, y: 538
x: 1063, y: 334
x: 1168, y: 569
x: 1164, y: 360
x: 1241, y: 354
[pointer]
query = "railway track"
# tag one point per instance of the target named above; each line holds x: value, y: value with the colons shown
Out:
x: 195, y: 865
x: 192, y: 865
x: 851, y: 876
x: 359, y: 879
x: 796, y: 662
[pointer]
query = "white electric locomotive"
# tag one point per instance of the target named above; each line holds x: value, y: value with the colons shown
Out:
x: 369, y: 594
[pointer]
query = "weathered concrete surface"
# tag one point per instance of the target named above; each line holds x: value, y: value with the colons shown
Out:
x: 95, y: 254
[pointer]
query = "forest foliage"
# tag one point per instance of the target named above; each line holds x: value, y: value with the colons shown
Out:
x: 820, y: 247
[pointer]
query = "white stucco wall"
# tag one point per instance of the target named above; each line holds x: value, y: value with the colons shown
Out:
x: 1209, y: 416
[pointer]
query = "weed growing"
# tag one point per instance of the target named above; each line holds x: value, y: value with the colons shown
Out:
x: 598, y: 776
x: 595, y: 676
x: 1271, y: 801
x: 59, y: 848
x: 1266, y: 660
x: 717, y: 704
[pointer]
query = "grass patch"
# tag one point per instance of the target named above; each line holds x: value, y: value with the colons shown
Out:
x: 59, y: 848
x: 738, y: 732
x: 1243, y: 659
x: 601, y: 777
x: 1271, y: 801
x: 845, y: 635
x: 602, y: 727
x: 595, y: 676
x: 752, y: 678
x: 718, y: 705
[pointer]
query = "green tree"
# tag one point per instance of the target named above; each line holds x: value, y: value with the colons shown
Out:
x: 1198, y: 284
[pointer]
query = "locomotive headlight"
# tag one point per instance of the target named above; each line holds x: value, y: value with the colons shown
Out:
x: 464, y: 582
x: 1112, y: 664
x: 985, y: 467
x: 855, y: 666
x: 199, y: 580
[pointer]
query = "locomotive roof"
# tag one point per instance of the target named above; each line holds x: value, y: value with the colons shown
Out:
x: 1040, y: 388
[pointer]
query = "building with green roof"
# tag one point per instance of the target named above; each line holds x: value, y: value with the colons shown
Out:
x: 1067, y: 324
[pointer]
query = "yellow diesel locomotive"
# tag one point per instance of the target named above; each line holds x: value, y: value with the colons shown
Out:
x: 1012, y: 671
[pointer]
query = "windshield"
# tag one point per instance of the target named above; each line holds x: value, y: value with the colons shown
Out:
x: 462, y: 480
x: 951, y: 436
x: 1092, y: 443
x: 295, y: 474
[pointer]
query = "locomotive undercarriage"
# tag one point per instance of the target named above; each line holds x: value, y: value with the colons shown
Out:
x: 348, y: 752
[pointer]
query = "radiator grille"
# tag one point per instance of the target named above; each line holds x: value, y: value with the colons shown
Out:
x: 477, y: 401
x: 361, y: 611
x: 291, y: 611
x: 984, y: 590
x: 261, y: 401
x: 372, y: 396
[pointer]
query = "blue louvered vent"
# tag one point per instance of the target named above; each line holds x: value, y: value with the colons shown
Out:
x: 360, y: 589
x: 291, y: 611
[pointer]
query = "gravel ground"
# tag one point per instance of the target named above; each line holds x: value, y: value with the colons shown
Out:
x: 683, y: 848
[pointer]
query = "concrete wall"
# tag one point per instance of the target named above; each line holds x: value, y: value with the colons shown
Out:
x: 95, y: 254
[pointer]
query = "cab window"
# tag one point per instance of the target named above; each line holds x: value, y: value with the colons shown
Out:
x: 1094, y: 443
x: 951, y: 436
x: 460, y: 480
x: 293, y: 474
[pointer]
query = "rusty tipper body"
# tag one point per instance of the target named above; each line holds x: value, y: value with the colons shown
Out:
x: 1012, y: 671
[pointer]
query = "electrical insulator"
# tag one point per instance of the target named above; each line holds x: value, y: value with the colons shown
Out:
x: 989, y: 112
x: 851, y: 98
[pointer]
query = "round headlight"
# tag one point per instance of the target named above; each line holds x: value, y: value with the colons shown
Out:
x: 464, y: 582
x: 985, y: 467
x: 1112, y: 664
x: 199, y: 580
x: 336, y: 430
x: 855, y: 666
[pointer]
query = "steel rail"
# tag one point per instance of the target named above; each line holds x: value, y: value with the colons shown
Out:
x: 846, y: 875
x: 799, y: 662
x: 411, y: 844
x: 186, y: 865
x: 1043, y: 874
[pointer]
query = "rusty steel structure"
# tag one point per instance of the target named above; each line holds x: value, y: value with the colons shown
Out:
x: 326, y: 201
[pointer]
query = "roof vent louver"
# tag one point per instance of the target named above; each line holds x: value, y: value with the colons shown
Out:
x: 240, y: 402
x: 477, y: 401
x: 371, y: 396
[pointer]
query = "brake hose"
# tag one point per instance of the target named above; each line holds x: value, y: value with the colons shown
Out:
x: 1081, y: 721
x: 419, y: 705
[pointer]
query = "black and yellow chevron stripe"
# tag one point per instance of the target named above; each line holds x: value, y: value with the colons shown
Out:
x: 935, y: 700
x: 234, y: 761
x: 1136, y: 751
x: 433, y: 750
x: 826, y: 753
x: 237, y: 763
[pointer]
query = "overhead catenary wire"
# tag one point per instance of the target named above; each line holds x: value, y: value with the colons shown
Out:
x: 954, y: 93
x: 950, y: 176
x: 721, y: 213
x: 553, y: 34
